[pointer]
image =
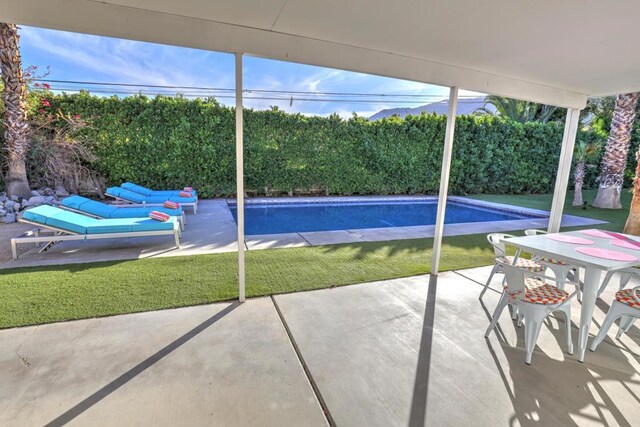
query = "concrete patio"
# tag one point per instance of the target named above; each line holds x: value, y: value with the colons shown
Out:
x: 400, y: 352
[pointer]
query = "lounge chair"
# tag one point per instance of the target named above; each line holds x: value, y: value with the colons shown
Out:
x: 128, y: 196
x: 105, y: 211
x: 57, y: 225
x: 149, y: 192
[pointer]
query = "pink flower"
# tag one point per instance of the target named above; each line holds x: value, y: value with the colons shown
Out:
x: 37, y: 85
x: 46, y: 85
x: 42, y: 111
x: 46, y: 103
x: 77, y: 116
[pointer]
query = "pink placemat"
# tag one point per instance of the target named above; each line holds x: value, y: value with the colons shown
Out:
x: 603, y: 234
x: 628, y: 244
x: 569, y: 239
x: 606, y: 254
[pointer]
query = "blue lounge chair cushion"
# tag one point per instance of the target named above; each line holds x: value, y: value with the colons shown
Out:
x: 149, y: 192
x: 125, y: 212
x: 128, y: 195
x: 58, y: 218
x: 139, y: 198
x: 90, y: 206
x: 74, y: 202
x: 137, y: 188
x: 39, y: 214
x: 148, y: 224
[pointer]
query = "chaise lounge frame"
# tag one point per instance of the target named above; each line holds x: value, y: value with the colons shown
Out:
x: 193, y: 206
x: 51, y: 235
x: 182, y: 219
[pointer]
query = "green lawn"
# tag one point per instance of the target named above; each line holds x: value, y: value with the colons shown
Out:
x: 48, y: 294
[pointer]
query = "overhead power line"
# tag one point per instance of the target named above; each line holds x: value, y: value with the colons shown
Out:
x: 203, y: 89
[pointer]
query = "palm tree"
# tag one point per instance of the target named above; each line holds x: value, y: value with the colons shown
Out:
x: 583, y: 153
x: 632, y: 225
x: 519, y: 111
x: 15, y: 118
x: 614, y: 160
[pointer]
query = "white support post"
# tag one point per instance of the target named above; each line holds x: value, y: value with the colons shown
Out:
x: 240, y: 177
x: 564, y: 169
x: 444, y: 179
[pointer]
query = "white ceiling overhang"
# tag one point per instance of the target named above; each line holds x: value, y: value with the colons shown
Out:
x: 555, y: 52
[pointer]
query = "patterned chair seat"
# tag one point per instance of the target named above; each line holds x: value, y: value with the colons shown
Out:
x: 540, y: 292
x: 552, y: 261
x: 523, y: 263
x: 625, y: 296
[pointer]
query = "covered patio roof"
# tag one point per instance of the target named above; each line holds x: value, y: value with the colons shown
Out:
x: 546, y: 51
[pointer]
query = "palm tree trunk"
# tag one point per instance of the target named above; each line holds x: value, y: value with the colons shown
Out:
x: 15, y: 120
x: 578, y: 177
x: 633, y: 220
x: 614, y: 160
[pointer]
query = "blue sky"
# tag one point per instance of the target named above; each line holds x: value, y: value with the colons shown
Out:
x: 82, y: 57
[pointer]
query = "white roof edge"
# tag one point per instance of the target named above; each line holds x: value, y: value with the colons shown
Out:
x: 91, y: 17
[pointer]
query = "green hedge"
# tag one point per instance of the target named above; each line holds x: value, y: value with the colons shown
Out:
x: 168, y: 142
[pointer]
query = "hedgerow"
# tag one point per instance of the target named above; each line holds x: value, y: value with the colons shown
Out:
x: 169, y: 142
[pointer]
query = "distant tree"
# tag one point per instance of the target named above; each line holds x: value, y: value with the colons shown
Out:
x: 614, y: 160
x: 16, y: 126
x: 519, y: 111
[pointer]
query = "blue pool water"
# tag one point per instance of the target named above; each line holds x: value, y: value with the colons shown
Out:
x: 300, y: 217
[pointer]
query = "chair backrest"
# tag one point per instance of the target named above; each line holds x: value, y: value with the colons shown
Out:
x: 636, y: 293
x: 534, y: 232
x: 515, y: 280
x: 495, y: 239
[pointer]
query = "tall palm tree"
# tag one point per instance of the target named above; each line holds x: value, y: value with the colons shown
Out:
x: 632, y: 225
x: 16, y: 126
x: 519, y: 111
x: 582, y: 154
x: 614, y: 160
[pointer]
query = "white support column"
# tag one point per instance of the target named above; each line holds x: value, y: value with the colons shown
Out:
x: 564, y: 169
x: 240, y: 176
x: 444, y: 179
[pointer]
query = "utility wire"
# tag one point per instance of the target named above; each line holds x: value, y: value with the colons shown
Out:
x: 270, y: 91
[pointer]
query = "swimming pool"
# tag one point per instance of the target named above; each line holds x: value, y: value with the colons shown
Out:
x: 292, y: 217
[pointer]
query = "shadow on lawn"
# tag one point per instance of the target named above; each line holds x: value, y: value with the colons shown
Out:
x: 123, y: 379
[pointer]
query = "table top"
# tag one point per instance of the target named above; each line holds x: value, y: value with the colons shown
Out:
x: 542, y: 245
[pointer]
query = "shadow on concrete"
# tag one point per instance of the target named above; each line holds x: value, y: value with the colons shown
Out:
x: 114, y: 385
x: 418, y: 412
x: 535, y: 404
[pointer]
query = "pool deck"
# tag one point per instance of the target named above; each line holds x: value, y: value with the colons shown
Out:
x: 213, y: 230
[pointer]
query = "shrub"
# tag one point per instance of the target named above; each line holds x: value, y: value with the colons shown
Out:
x: 170, y: 142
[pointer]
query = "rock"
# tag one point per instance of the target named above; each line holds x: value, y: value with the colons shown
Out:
x: 10, y: 204
x: 3, y: 212
x: 3, y: 194
x: 8, y: 218
x: 46, y: 191
x: 35, y: 193
x: 61, y: 191
x: 35, y: 201
x: 49, y: 200
x: 3, y: 199
x: 17, y: 207
x: 15, y: 198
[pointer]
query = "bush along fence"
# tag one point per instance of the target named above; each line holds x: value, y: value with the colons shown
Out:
x: 169, y: 142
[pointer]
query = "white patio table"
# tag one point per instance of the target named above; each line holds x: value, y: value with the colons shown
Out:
x: 543, y: 245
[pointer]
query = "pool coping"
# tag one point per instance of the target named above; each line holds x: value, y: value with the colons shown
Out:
x: 540, y: 219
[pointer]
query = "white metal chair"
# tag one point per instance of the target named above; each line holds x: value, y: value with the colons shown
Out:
x: 501, y: 258
x: 560, y: 268
x: 625, y: 277
x: 627, y: 307
x: 534, y: 299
